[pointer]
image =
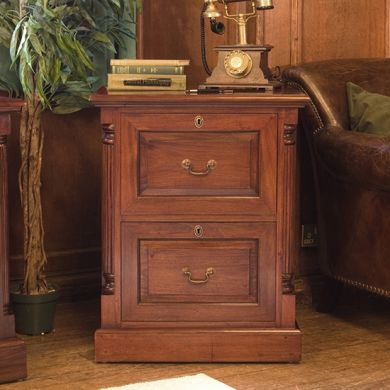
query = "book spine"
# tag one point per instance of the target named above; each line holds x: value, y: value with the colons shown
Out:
x: 157, y: 82
x: 139, y: 91
x: 135, y: 82
x: 133, y: 69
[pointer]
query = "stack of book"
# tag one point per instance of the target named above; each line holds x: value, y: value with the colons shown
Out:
x: 133, y: 76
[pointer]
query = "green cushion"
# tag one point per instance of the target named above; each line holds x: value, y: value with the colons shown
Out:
x: 368, y: 112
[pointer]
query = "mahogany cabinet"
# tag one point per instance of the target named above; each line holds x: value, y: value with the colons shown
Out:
x: 12, y: 350
x: 199, y: 228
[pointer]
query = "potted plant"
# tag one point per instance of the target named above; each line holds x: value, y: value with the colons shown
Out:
x: 53, y: 48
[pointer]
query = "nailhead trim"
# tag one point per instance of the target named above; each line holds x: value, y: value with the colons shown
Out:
x: 314, y: 108
x: 363, y: 286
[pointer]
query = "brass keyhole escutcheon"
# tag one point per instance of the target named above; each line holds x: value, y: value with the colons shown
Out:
x: 198, y: 231
x: 199, y: 121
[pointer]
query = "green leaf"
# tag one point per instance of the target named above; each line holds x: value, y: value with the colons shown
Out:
x: 15, y: 40
x: 35, y: 43
x: 100, y: 37
x: 55, y: 72
x: 83, y: 55
x: 22, y: 40
x: 67, y: 103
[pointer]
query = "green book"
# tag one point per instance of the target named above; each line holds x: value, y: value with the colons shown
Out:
x: 147, y: 69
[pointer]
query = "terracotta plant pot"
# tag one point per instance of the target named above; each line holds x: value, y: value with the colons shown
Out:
x: 34, y: 314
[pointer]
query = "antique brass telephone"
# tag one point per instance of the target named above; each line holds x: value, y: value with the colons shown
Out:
x: 242, y: 66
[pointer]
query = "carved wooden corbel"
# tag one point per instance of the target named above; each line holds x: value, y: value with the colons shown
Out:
x: 288, y: 283
x: 109, y: 284
x: 108, y: 133
x: 290, y: 134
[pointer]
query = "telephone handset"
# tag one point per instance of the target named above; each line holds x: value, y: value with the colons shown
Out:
x: 217, y: 30
x: 242, y: 66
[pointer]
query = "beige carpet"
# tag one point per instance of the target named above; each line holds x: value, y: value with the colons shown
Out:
x: 193, y: 382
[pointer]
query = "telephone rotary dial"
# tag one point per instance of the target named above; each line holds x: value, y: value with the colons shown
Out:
x: 237, y: 64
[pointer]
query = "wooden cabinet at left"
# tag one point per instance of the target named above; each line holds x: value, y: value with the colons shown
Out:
x: 12, y: 350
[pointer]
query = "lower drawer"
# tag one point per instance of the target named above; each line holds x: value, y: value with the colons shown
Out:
x: 191, y: 272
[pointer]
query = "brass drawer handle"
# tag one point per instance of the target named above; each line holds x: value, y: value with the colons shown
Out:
x: 187, y: 165
x: 210, y: 271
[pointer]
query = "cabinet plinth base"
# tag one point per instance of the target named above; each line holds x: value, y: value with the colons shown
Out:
x: 198, y: 345
x: 13, y: 364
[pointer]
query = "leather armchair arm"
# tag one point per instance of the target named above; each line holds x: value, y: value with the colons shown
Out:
x: 358, y: 158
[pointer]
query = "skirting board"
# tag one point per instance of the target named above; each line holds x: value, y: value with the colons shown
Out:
x: 198, y: 345
x: 13, y: 365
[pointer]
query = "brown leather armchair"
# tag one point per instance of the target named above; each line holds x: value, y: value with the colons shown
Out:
x: 351, y: 172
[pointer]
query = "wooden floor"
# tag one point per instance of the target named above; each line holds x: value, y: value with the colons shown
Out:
x: 347, y: 350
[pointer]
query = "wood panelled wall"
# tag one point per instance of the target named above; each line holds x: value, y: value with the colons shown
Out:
x: 71, y: 188
x: 312, y: 30
x: 170, y: 29
x: 299, y: 30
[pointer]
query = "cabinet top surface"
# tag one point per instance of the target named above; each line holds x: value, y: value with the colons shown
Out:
x: 8, y: 104
x: 282, y: 97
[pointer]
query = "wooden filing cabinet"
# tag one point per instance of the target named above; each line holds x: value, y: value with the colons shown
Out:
x: 199, y: 228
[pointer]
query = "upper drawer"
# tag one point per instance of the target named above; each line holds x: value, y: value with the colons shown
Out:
x: 185, y: 163
x: 221, y: 163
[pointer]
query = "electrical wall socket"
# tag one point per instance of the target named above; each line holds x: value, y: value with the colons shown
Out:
x: 309, y: 235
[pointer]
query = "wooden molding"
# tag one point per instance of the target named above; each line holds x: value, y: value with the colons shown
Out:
x: 121, y: 345
x: 296, y: 32
x: 76, y: 271
x: 287, y: 205
x: 4, y: 273
x: 260, y: 28
x: 387, y: 29
x: 108, y: 196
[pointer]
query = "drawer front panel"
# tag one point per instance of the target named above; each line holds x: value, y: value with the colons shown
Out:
x: 195, y: 271
x: 228, y: 166
x: 189, y: 163
x: 171, y: 275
